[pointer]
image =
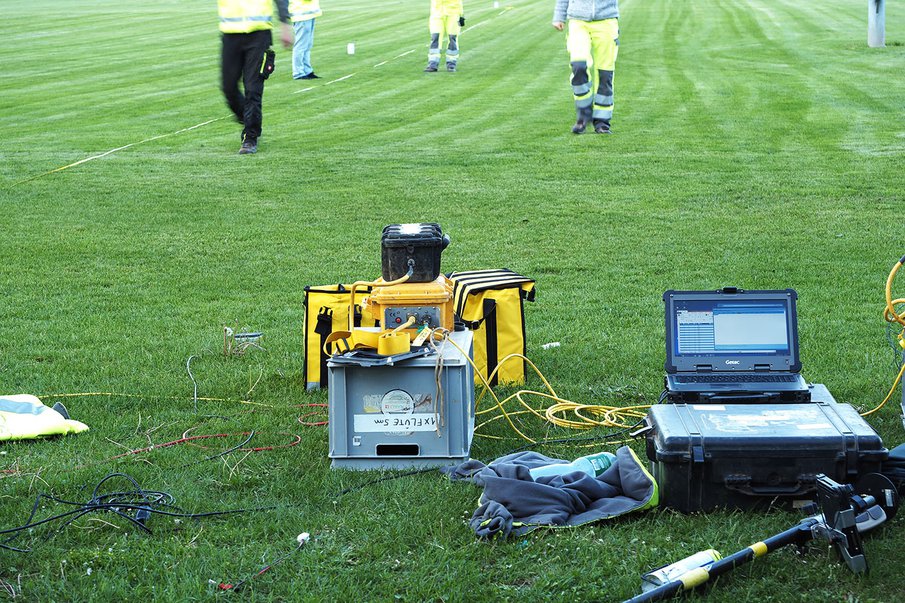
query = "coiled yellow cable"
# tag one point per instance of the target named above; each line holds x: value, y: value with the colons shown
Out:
x: 890, y: 315
x: 586, y: 416
x: 889, y: 312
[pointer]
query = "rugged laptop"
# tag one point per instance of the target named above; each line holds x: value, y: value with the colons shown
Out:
x: 733, y: 345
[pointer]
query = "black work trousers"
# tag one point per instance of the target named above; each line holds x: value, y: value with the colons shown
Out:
x: 242, y: 56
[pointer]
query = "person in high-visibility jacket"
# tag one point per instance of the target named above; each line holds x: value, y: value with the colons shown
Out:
x: 593, y: 42
x: 303, y: 13
x: 446, y: 19
x: 246, y: 27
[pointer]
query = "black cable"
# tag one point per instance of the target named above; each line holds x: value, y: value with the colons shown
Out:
x: 251, y: 434
x: 144, y: 503
x: 385, y: 479
x: 893, y: 340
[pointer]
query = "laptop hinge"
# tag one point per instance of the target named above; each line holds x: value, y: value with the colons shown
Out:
x: 703, y: 368
x: 761, y: 368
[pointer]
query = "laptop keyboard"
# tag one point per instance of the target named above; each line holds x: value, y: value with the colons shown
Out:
x: 743, y: 378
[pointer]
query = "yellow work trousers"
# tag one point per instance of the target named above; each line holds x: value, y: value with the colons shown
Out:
x: 593, y: 46
x: 442, y: 27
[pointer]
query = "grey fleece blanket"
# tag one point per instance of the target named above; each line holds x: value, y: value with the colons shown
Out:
x: 513, y: 503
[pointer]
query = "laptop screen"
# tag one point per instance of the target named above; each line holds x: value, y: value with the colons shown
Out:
x: 708, y: 327
x: 731, y: 331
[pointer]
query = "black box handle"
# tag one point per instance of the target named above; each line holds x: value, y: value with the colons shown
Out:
x: 795, y: 489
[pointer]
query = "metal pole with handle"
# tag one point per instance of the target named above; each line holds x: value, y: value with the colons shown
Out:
x: 842, y: 516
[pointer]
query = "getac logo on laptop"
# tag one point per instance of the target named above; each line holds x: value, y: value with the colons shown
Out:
x: 733, y: 345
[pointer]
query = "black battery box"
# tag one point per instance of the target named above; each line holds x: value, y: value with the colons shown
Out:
x: 412, y: 245
x: 747, y: 456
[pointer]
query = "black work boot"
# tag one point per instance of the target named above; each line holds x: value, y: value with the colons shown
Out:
x: 249, y: 146
x: 602, y: 126
x: 582, y: 120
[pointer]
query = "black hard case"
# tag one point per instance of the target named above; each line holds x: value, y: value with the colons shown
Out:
x: 745, y: 456
x: 421, y: 244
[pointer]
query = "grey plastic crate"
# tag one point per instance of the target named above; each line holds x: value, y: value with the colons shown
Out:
x: 391, y: 417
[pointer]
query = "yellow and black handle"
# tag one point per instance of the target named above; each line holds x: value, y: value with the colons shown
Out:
x: 842, y: 516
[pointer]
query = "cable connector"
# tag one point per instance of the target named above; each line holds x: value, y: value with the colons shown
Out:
x: 142, y: 515
x: 640, y: 432
x: 220, y: 585
x: 303, y: 538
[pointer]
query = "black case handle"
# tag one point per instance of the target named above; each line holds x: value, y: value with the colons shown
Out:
x: 795, y: 489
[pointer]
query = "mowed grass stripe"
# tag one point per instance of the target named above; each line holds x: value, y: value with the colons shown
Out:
x: 442, y: 100
x: 113, y: 273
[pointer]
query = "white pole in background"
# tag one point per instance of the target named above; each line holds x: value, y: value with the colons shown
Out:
x: 876, y: 23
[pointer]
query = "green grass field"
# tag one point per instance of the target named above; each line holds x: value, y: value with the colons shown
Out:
x: 758, y: 143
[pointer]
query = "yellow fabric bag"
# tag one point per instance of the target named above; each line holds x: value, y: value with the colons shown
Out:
x: 326, y: 311
x: 491, y: 303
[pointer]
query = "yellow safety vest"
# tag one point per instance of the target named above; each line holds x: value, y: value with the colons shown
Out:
x: 446, y: 8
x: 24, y: 417
x: 304, y: 10
x: 245, y: 16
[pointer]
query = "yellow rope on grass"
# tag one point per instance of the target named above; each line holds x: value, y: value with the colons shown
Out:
x: 146, y: 397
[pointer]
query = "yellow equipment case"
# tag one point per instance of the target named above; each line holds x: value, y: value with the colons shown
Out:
x: 429, y: 303
x: 327, y: 310
x: 491, y: 303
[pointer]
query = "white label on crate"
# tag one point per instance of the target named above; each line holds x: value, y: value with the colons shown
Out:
x: 708, y: 407
x: 383, y: 423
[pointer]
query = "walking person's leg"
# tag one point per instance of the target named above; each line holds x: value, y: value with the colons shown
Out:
x: 435, y: 25
x: 301, y: 48
x: 253, y: 80
x: 605, y: 44
x: 231, y: 63
x: 452, y: 28
x: 578, y: 43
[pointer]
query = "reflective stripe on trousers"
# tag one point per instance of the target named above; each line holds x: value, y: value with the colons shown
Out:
x: 593, y: 47
x: 442, y: 28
